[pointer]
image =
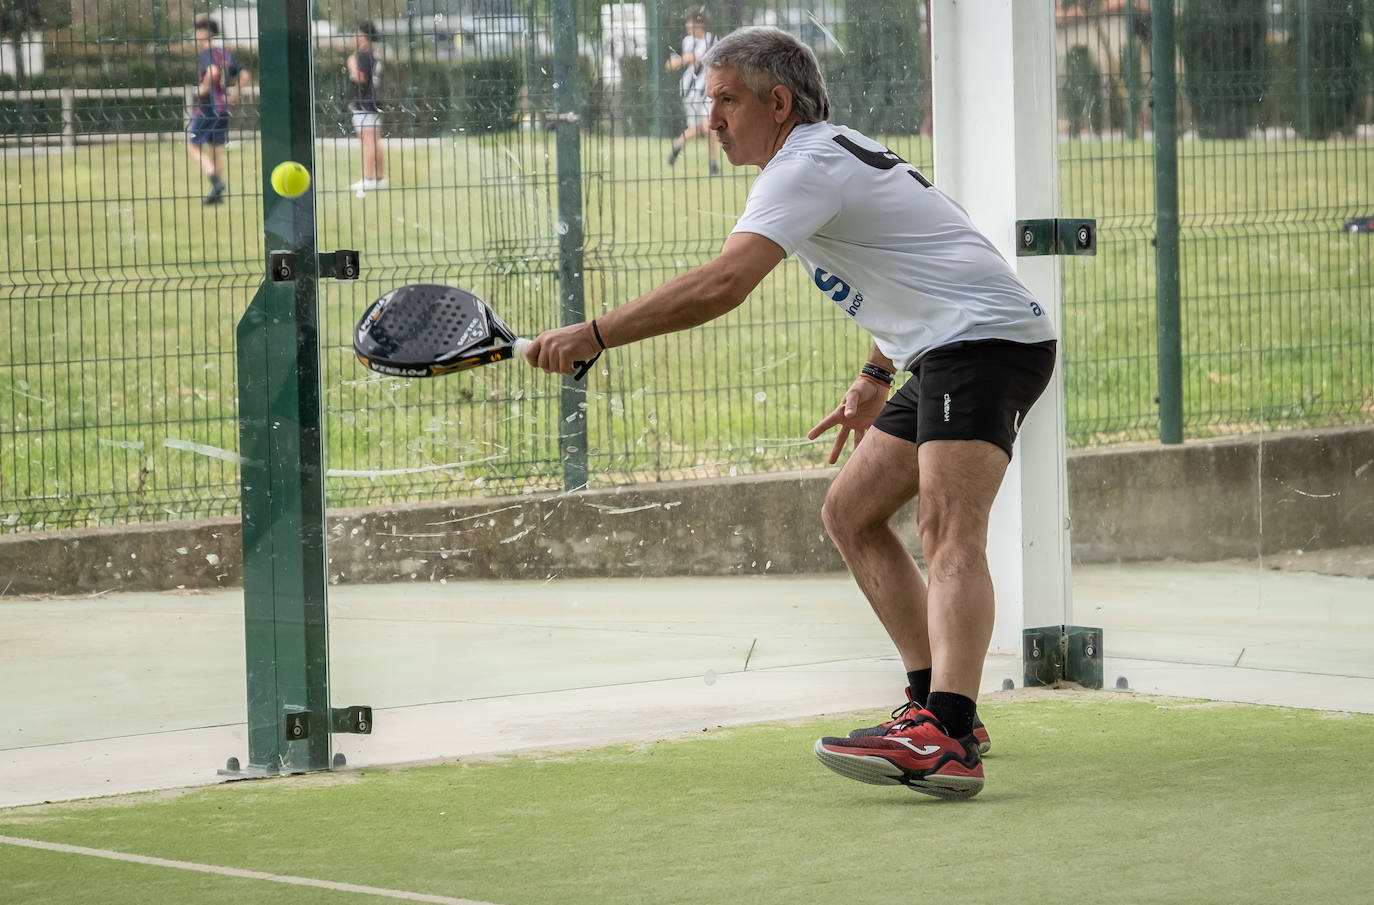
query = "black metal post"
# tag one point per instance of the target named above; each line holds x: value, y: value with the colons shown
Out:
x: 1167, y: 305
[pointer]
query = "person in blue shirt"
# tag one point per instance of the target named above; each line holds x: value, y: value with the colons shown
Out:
x: 216, y: 71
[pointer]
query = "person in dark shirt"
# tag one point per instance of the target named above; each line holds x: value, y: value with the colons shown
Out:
x: 216, y: 71
x: 364, y: 75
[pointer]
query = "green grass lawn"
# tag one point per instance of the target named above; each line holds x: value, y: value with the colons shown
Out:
x: 1275, y: 309
x: 130, y: 291
x: 1111, y: 798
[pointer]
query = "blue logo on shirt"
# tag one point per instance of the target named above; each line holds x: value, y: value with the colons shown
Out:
x: 825, y: 282
x: 838, y: 290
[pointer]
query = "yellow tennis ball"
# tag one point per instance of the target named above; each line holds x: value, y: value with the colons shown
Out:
x: 290, y: 179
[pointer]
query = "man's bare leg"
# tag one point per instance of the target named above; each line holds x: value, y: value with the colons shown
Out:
x: 216, y: 154
x: 959, y: 480
x: 857, y: 518
x: 210, y: 159
x: 946, y: 624
x: 378, y: 154
x: 201, y: 155
x: 372, y: 159
x: 943, y: 622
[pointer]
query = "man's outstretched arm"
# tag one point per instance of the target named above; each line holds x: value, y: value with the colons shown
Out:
x: 688, y: 300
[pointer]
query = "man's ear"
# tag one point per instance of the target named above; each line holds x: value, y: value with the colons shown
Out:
x: 780, y: 99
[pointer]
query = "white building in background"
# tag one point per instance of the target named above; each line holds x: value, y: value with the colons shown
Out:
x: 238, y: 25
x: 624, y: 33
x: 30, y: 54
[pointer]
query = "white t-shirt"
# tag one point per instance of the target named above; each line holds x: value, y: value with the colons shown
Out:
x: 894, y: 253
x: 694, y: 74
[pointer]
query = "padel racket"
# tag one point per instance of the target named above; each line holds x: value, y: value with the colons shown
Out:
x: 425, y: 330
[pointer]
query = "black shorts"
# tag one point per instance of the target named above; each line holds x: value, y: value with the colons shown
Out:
x: 976, y: 390
x: 209, y: 128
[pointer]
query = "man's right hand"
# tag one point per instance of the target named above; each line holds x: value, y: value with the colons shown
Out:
x: 556, y: 351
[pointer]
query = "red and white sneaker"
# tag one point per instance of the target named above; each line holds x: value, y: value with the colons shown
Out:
x: 915, y: 753
x: 980, y: 731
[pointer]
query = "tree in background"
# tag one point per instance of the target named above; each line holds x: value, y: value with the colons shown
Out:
x: 90, y: 19
x: 1226, y: 62
x: 21, y: 17
x: 1368, y: 51
x: 1110, y: 71
x: 1080, y: 98
x: 878, y: 85
x: 1325, y: 59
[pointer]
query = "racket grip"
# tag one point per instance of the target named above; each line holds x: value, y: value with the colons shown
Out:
x: 522, y: 345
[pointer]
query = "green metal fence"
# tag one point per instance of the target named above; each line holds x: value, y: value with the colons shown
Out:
x: 118, y: 394
x: 1276, y: 288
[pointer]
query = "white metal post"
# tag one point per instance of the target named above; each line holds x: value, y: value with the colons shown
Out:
x: 996, y: 136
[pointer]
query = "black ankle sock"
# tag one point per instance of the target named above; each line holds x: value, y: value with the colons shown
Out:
x: 954, y: 711
x: 918, y: 684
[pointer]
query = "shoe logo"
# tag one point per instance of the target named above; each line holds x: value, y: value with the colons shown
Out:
x: 923, y: 750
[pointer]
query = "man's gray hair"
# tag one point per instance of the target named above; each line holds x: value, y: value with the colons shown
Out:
x: 767, y: 56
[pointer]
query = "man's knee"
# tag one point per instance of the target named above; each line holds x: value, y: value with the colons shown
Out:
x: 952, y: 544
x: 955, y: 561
x: 845, y: 518
x: 832, y: 515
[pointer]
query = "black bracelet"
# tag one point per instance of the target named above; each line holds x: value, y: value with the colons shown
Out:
x: 871, y: 370
x: 597, y: 333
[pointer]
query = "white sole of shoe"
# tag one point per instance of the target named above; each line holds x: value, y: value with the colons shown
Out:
x: 880, y: 771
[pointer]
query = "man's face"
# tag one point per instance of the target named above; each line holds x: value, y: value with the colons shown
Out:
x: 696, y: 27
x: 748, y: 128
x: 202, y: 38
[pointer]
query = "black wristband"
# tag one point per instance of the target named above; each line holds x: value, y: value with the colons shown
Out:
x: 879, y: 374
x: 597, y: 333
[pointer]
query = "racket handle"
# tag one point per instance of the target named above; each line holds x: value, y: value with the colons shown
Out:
x: 584, y: 366
x: 522, y: 345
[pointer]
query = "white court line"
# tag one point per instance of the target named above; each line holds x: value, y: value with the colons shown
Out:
x: 237, y: 872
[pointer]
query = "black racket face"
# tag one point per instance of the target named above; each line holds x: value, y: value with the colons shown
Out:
x: 425, y: 329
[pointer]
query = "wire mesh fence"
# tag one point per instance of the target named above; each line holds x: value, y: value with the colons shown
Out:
x: 119, y: 389
x: 1275, y: 163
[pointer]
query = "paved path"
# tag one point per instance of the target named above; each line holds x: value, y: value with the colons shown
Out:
x: 143, y: 691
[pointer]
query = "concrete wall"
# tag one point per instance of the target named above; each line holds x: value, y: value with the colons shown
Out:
x: 1239, y: 497
x: 1201, y: 501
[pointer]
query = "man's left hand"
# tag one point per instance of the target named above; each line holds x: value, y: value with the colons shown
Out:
x: 855, y: 413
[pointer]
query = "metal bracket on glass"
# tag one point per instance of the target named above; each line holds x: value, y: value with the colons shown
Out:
x: 1058, y: 236
x: 355, y: 720
x: 342, y: 264
x: 281, y: 266
x: 297, y: 725
x: 1062, y: 653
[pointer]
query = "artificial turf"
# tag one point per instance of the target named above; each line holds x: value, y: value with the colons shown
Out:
x: 1091, y: 797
